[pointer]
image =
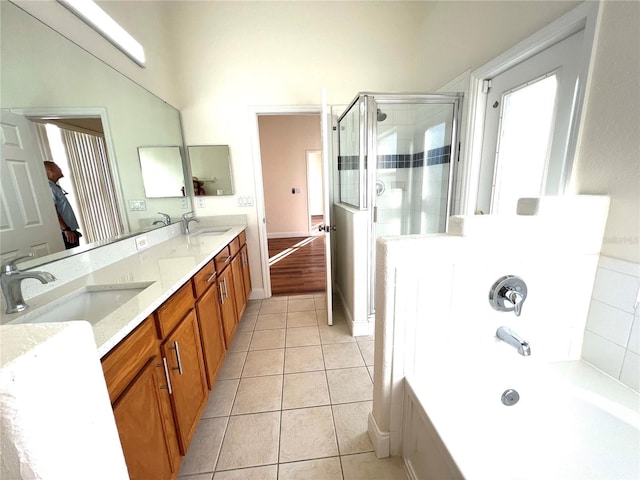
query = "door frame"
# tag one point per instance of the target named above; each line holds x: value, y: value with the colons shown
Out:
x: 308, y: 157
x: 586, y: 16
x: 58, y: 113
x: 254, y: 112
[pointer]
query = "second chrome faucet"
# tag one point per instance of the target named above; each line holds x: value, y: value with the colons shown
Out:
x: 508, y: 294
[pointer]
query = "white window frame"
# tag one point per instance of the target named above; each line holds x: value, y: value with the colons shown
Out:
x: 586, y: 16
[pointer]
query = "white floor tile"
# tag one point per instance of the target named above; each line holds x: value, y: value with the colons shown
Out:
x: 365, y: 466
x: 241, y: 341
x: 264, y: 362
x: 273, y: 307
x: 320, y: 469
x: 302, y: 336
x: 269, y: 472
x: 349, y: 385
x: 301, y: 305
x: 258, y: 394
x: 368, y: 350
x: 267, y: 339
x: 351, y: 421
x: 342, y: 355
x: 205, y: 446
x: 307, y: 433
x: 303, y: 359
x: 250, y: 441
x: 302, y: 319
x: 305, y: 390
x: 271, y: 320
x: 232, y: 366
x: 337, y: 333
x: 221, y: 399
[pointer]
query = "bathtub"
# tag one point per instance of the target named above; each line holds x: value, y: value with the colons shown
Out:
x: 571, y: 422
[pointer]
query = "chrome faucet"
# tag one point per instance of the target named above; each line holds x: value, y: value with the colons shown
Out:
x: 508, y: 294
x: 11, y: 282
x: 186, y: 219
x: 166, y: 219
x: 512, y: 338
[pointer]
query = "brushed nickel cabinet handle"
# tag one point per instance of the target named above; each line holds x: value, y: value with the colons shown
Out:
x: 221, y: 294
x: 166, y: 375
x: 176, y: 347
x: 211, y: 276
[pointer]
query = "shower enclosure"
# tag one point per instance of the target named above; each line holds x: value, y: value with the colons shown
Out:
x: 396, y: 159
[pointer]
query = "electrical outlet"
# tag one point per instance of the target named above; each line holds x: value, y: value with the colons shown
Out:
x: 200, y: 202
x: 141, y: 242
x: 183, y: 203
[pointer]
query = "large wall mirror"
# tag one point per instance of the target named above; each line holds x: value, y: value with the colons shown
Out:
x: 162, y: 172
x: 211, y: 169
x: 45, y: 76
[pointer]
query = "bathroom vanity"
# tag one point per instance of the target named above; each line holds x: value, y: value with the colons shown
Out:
x: 161, y: 349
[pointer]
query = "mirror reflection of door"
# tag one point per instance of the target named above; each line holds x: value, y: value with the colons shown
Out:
x: 27, y: 218
x: 315, y: 188
x: 78, y: 147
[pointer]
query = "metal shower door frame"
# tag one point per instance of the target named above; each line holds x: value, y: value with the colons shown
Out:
x: 368, y: 159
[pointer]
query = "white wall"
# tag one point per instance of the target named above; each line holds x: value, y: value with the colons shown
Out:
x: 608, y: 152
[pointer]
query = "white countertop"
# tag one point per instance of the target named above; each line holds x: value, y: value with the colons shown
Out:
x: 167, y: 266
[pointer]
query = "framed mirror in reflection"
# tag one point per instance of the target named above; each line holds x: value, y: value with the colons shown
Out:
x: 162, y: 172
x: 82, y: 86
x: 211, y: 169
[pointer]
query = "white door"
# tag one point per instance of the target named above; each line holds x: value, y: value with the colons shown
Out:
x: 28, y: 220
x: 527, y: 124
x: 326, y: 194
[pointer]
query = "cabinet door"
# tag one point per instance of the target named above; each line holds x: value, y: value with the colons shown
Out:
x: 227, y: 305
x: 211, y: 333
x: 145, y: 424
x: 246, y: 273
x: 238, y: 288
x: 183, y: 352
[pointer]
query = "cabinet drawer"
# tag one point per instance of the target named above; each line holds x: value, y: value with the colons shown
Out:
x: 222, y: 259
x: 125, y: 360
x: 234, y: 246
x: 243, y: 238
x: 204, y: 279
x: 174, y: 309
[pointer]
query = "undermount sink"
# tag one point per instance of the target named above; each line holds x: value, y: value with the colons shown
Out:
x: 212, y: 231
x: 91, y: 303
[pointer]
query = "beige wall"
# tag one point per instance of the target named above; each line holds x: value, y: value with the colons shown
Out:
x: 284, y: 141
x: 609, y: 150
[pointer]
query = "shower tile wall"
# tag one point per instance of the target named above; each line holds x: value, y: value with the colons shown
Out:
x: 348, y: 161
x: 612, y: 335
x: 415, y: 180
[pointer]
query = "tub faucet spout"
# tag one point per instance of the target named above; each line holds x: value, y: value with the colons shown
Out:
x: 512, y: 338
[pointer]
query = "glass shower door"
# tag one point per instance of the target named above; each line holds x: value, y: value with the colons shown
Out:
x: 411, y: 144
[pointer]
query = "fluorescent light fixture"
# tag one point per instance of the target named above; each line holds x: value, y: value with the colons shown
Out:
x: 89, y: 12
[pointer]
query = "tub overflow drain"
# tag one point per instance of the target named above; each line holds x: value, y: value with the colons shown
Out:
x: 510, y: 397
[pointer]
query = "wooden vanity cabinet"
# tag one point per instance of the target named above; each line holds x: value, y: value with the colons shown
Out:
x: 139, y: 392
x: 183, y: 351
x: 227, y: 305
x: 145, y: 425
x: 208, y: 312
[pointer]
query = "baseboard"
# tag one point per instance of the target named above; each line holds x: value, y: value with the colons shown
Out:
x: 379, y: 439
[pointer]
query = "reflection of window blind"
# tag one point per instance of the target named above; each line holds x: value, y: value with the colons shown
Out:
x: 94, y: 185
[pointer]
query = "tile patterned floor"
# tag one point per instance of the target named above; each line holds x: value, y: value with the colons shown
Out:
x: 291, y: 401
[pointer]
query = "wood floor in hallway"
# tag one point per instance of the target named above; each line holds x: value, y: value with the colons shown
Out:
x: 297, y: 265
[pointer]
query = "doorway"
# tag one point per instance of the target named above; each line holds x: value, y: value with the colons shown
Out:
x: 290, y: 145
